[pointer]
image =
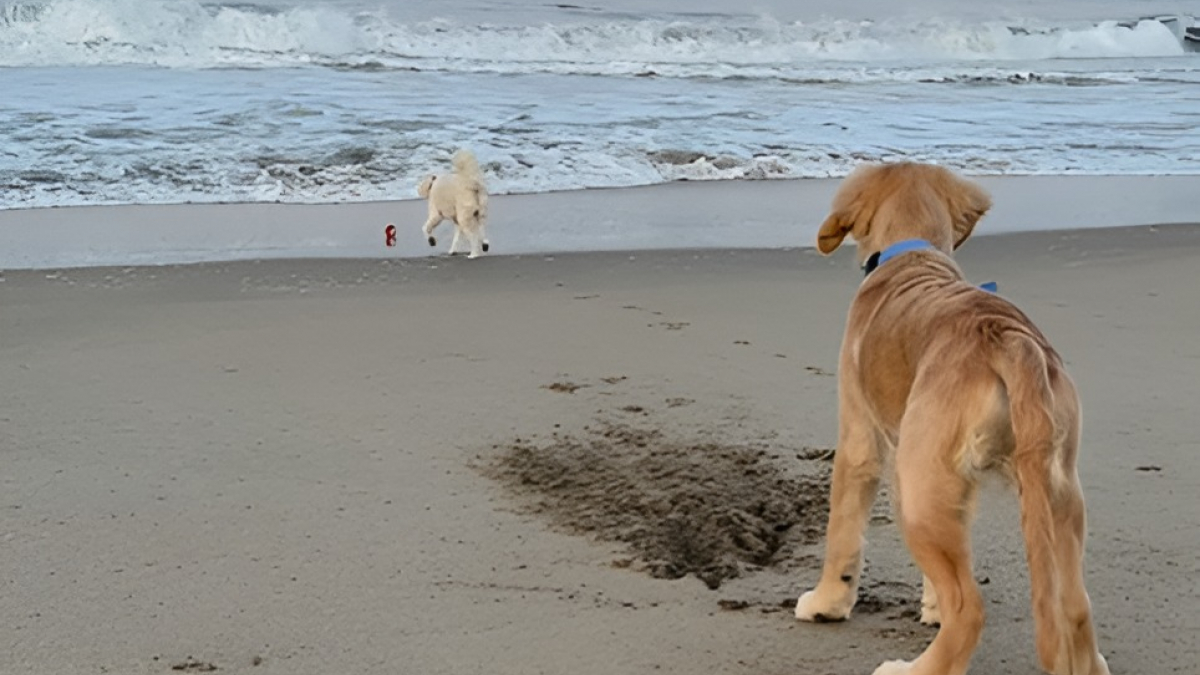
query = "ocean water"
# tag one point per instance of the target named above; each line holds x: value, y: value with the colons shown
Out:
x: 166, y: 101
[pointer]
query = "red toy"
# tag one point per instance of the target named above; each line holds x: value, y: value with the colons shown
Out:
x: 390, y: 233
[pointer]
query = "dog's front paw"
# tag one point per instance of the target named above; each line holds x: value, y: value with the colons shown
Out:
x: 473, y: 256
x: 432, y: 241
x: 819, y: 607
x: 894, y: 668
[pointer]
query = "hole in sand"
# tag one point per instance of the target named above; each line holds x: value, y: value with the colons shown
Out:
x: 703, y: 508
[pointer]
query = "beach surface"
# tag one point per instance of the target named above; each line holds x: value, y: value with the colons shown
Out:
x: 541, y: 463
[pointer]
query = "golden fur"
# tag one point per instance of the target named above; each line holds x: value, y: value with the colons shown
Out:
x: 951, y: 380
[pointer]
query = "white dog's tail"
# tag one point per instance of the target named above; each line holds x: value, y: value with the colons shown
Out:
x: 466, y: 169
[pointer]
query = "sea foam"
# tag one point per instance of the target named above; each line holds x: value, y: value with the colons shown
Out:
x: 189, y: 34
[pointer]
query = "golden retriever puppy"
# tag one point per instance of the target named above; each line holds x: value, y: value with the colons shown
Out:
x: 948, y: 381
x: 462, y: 198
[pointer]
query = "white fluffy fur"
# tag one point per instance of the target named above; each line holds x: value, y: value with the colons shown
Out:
x: 460, y: 197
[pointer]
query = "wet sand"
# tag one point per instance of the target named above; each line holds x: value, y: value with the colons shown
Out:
x: 508, y: 465
x: 682, y: 215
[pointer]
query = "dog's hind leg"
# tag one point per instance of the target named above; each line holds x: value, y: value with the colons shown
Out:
x: 935, y: 510
x: 1045, y: 422
x: 1071, y: 649
x: 930, y: 614
x: 476, y: 241
x: 856, y: 468
x: 433, y: 221
x: 1079, y: 655
x: 472, y: 229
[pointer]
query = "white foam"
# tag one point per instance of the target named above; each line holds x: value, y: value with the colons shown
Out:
x: 166, y: 33
x: 767, y: 99
x: 1146, y: 38
x: 185, y: 33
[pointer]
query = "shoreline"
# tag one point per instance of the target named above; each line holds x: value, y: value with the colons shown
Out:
x: 681, y: 215
x: 606, y: 188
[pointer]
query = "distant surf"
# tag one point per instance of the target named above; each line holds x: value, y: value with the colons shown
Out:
x: 160, y: 101
x: 188, y: 34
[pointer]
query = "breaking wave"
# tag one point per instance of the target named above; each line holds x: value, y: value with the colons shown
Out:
x: 189, y: 34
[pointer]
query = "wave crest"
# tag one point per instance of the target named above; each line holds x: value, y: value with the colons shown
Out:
x: 185, y: 33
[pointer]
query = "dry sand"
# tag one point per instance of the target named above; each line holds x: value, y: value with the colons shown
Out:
x: 521, y: 464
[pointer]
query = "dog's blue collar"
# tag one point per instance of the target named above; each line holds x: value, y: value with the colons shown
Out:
x: 880, y: 257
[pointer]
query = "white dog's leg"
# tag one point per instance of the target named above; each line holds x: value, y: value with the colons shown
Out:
x: 433, y: 221
x: 483, y: 235
x: 454, y: 242
x: 476, y: 241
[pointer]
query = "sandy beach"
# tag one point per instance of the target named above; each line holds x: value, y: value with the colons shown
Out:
x: 557, y: 462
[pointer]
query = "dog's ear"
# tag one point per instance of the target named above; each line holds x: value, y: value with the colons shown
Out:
x: 854, y: 205
x: 833, y: 231
x: 967, y: 203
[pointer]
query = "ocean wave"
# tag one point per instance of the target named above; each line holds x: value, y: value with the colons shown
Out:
x: 356, y: 174
x: 185, y: 33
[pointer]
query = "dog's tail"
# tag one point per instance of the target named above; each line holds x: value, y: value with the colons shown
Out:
x: 1021, y: 363
x: 466, y: 169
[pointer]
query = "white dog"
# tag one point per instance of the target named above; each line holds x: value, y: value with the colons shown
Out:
x: 462, y: 197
